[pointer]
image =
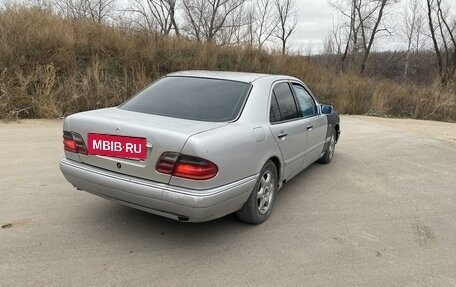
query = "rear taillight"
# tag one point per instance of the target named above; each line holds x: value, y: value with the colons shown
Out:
x: 166, y: 162
x: 74, y: 142
x: 186, y: 166
x: 194, y: 168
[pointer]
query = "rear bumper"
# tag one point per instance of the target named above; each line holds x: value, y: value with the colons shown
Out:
x: 165, y: 200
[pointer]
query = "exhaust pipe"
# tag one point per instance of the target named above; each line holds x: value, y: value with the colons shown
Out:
x: 182, y: 218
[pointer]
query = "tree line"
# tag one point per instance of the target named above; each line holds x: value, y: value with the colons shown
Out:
x: 423, y: 25
x: 360, y: 26
x: 257, y: 23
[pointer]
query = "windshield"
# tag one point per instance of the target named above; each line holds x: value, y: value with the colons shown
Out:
x: 200, y: 99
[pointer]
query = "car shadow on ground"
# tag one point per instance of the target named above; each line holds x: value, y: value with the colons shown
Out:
x: 123, y: 223
x: 119, y: 221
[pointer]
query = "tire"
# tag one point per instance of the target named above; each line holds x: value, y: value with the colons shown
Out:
x: 329, y: 154
x: 259, y: 206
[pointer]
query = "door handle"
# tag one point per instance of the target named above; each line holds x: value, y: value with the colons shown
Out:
x: 282, y: 135
x: 310, y: 128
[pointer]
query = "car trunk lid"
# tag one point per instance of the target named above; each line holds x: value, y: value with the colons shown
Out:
x: 162, y: 134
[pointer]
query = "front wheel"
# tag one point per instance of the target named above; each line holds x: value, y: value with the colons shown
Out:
x: 328, y: 156
x: 258, y: 207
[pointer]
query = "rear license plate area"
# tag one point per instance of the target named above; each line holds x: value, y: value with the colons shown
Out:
x: 117, y: 146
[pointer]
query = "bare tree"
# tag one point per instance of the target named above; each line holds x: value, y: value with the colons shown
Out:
x: 431, y: 22
x: 75, y: 9
x: 204, y: 19
x: 140, y: 15
x: 95, y: 10
x: 250, y: 27
x: 413, y: 21
x: 45, y: 5
x: 365, y: 23
x: 442, y: 30
x: 171, y: 8
x: 157, y: 15
x: 333, y: 42
x: 370, y: 22
x: 286, y: 15
x: 100, y: 10
x: 265, y: 21
x: 235, y: 30
x: 347, y: 10
x: 328, y: 45
x: 448, y: 36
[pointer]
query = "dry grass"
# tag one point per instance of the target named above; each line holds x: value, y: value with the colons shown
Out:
x: 51, y: 67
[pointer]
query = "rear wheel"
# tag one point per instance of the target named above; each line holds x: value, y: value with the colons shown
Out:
x: 258, y: 207
x: 328, y: 156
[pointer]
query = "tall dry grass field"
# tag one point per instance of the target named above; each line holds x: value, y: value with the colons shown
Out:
x: 52, y: 67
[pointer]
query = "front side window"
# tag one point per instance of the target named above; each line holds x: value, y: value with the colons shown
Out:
x: 306, y: 102
x: 200, y: 99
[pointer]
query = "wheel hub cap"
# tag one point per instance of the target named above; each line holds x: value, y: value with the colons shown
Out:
x: 265, y: 192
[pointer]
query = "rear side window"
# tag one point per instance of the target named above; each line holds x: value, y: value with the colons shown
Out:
x: 285, y: 101
x: 199, y: 99
x: 274, y: 113
x: 305, y: 100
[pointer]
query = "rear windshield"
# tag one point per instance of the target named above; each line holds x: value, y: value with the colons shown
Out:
x: 197, y: 99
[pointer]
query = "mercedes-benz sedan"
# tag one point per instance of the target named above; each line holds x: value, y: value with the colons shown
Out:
x: 198, y: 145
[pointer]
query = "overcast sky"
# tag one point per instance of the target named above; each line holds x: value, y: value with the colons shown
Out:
x: 314, y: 23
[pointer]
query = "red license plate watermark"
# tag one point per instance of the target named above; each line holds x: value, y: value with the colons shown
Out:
x: 117, y: 146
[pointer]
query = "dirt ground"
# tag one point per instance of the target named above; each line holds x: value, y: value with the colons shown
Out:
x: 381, y: 214
x: 439, y: 130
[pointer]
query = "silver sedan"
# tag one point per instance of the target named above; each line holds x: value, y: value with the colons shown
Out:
x: 198, y: 145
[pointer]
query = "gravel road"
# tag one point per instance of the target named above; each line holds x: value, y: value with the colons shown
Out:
x: 383, y: 213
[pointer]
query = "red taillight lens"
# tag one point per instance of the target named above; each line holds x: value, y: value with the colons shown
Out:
x: 186, y: 166
x: 194, y: 168
x: 74, y: 142
x: 69, y: 145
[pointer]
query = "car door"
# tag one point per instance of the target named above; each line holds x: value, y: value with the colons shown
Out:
x: 288, y: 128
x: 316, y: 123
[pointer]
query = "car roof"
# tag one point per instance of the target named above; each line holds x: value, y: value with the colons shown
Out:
x: 224, y: 75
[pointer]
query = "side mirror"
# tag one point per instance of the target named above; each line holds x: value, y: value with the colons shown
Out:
x: 326, y: 109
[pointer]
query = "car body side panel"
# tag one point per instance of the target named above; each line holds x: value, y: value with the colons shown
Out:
x: 316, y: 138
x: 333, y: 121
x: 234, y: 148
x: 292, y: 146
